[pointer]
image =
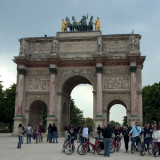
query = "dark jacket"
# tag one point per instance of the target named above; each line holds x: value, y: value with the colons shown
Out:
x: 125, y: 133
x: 108, y: 132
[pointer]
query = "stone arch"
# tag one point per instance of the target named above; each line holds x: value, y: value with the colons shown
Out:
x: 67, y: 85
x: 35, y: 113
x: 63, y: 76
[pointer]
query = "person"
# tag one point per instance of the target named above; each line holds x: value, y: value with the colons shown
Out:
x: 50, y: 133
x: 65, y: 130
x: 20, y: 133
x: 99, y: 129
x: 29, y: 131
x: 84, y: 133
x: 97, y: 24
x: 136, y: 131
x: 147, y: 131
x: 54, y: 133
x: 125, y: 133
x: 41, y: 132
x: 117, y: 133
x: 107, y: 135
x: 156, y: 136
x: 23, y: 134
x: 36, y: 133
x: 72, y: 135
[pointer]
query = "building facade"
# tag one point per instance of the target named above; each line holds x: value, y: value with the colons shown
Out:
x: 48, y: 68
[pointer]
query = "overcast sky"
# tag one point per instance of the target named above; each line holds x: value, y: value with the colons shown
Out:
x: 35, y: 18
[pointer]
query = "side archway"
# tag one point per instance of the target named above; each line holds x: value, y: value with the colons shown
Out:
x: 37, y: 111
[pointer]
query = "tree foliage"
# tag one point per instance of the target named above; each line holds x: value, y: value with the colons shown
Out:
x: 76, y: 115
x: 7, y: 104
x: 151, y: 103
x: 124, y: 120
x: 113, y: 123
x: 89, y: 122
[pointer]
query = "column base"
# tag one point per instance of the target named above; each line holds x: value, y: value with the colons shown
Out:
x: 99, y: 120
x: 17, y: 120
x: 52, y: 119
x: 133, y: 119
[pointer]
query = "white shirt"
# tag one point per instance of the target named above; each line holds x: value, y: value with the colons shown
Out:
x: 85, y: 132
x: 156, y: 135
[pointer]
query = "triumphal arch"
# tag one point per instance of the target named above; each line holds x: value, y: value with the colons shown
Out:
x: 48, y: 68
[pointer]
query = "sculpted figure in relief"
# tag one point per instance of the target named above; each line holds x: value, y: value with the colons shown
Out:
x: 55, y: 47
x: 99, y: 44
x: 133, y: 41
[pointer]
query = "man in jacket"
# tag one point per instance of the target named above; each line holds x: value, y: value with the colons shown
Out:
x: 107, y: 140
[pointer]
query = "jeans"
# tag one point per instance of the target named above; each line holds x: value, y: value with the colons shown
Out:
x: 107, y: 146
x: 19, y: 141
x: 158, y: 143
x: 29, y: 138
x: 36, y: 137
x: 54, y: 140
x: 146, y: 140
x: 22, y: 138
x: 126, y: 141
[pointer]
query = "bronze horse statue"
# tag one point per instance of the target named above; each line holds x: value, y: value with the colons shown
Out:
x: 75, y: 24
x: 68, y: 24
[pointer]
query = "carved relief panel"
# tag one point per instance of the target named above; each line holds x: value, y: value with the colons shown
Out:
x: 38, y: 80
x: 116, y: 79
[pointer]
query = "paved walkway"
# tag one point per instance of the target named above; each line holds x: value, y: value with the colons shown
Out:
x: 50, y: 151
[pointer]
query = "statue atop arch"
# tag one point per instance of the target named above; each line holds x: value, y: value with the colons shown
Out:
x: 81, y: 25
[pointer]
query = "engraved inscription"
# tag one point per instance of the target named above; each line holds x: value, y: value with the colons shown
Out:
x: 116, y: 72
x: 40, y: 47
x: 38, y: 84
x: 38, y: 73
x: 116, y: 46
x: 116, y: 83
x: 84, y: 46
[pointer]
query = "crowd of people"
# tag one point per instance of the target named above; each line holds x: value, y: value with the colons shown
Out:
x: 137, y: 132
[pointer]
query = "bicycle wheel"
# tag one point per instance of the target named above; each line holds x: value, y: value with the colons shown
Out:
x: 69, y: 149
x: 112, y: 148
x: 63, y: 147
x: 118, y: 146
x: 142, y: 152
x: 155, y: 152
x: 149, y: 147
x: 82, y: 149
x: 100, y: 149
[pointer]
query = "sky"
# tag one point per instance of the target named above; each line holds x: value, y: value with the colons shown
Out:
x: 35, y: 18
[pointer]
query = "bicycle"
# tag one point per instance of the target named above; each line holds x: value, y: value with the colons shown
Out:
x: 147, y: 147
x: 133, y: 145
x: 68, y: 146
x: 155, y: 148
x: 98, y: 147
x: 116, y: 144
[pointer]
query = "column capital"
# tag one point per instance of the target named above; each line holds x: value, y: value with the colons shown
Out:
x: 133, y: 68
x: 22, y: 70
x: 53, y: 70
x: 99, y: 69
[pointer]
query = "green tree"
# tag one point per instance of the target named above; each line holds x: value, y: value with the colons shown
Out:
x: 124, y: 120
x: 113, y: 123
x: 76, y: 115
x: 9, y: 105
x: 1, y: 102
x: 89, y: 122
x: 151, y: 103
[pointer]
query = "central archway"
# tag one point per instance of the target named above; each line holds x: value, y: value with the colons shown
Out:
x: 67, y: 88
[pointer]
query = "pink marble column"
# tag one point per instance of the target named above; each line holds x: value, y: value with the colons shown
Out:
x: 21, y: 71
x: 52, y: 91
x: 133, y: 91
x: 99, y: 90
